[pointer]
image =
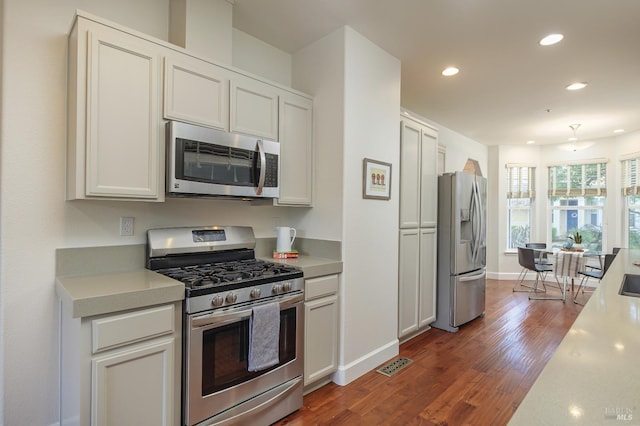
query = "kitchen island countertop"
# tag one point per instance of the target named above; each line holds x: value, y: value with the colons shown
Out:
x: 594, y: 375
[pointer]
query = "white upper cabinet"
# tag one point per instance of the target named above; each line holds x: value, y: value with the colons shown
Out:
x: 196, y: 92
x: 418, y: 175
x: 296, y: 150
x: 429, y: 178
x: 115, y: 136
x: 120, y: 92
x: 410, y: 174
x: 254, y: 108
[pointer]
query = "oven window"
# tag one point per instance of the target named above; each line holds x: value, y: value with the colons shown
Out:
x: 225, y: 352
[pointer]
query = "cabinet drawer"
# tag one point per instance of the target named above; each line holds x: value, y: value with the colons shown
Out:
x: 131, y: 327
x: 321, y: 286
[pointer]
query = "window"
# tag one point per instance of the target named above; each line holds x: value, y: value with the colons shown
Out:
x: 577, y: 195
x: 520, y: 195
x: 631, y: 192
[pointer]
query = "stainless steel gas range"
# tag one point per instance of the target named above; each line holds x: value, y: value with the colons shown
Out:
x: 226, y: 289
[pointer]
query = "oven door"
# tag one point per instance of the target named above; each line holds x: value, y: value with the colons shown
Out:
x: 217, y: 348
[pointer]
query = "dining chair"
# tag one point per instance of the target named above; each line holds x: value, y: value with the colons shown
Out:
x: 526, y: 257
x: 540, y: 256
x: 598, y: 274
x: 539, y: 252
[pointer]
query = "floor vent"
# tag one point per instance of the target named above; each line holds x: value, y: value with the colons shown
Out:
x: 394, y: 366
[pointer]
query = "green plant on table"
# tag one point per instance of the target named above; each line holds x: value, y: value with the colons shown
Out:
x: 576, y: 237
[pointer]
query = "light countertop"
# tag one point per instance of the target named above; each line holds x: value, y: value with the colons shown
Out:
x: 594, y: 375
x: 311, y: 266
x: 97, y: 294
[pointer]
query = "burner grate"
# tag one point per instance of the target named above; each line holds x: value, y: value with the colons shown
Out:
x: 394, y: 366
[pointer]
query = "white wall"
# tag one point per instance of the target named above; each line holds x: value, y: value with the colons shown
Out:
x: 203, y: 27
x: 35, y: 219
x: 2, y: 318
x: 257, y: 57
x: 318, y: 70
x: 370, y: 244
x: 356, y: 86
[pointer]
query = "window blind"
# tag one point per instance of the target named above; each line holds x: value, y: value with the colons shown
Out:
x: 631, y: 176
x: 521, y: 182
x: 577, y: 180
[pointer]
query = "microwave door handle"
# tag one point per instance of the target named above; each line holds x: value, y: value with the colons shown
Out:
x: 263, y: 168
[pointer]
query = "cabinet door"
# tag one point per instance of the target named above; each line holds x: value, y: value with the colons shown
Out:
x: 410, y: 135
x: 134, y: 386
x: 408, y: 278
x: 427, y: 276
x: 124, y: 148
x: 254, y: 108
x: 429, y: 178
x: 196, y: 92
x: 296, y: 150
x: 321, y: 338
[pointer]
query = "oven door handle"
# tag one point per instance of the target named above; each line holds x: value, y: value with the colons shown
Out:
x: 220, y: 318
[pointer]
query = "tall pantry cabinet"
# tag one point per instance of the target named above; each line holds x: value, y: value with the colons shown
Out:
x: 418, y: 226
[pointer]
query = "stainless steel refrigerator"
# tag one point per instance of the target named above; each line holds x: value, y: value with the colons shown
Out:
x: 462, y: 219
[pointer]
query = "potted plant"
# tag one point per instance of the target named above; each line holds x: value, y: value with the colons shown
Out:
x: 577, y: 241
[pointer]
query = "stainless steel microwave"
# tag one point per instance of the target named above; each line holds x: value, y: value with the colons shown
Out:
x: 202, y: 161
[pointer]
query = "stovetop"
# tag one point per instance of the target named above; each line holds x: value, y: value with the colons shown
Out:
x: 210, y: 278
x: 218, y: 267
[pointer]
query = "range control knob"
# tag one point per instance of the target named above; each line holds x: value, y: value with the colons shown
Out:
x: 277, y: 288
x: 217, y: 300
x: 231, y: 298
x: 255, y: 293
x: 286, y: 287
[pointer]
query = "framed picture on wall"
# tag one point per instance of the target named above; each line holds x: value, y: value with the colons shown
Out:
x: 376, y: 179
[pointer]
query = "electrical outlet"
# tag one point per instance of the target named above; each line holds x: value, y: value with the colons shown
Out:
x: 126, y: 226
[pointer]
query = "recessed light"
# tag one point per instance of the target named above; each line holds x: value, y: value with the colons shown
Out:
x: 618, y: 131
x: 448, y: 72
x: 577, y: 86
x: 572, y: 138
x: 530, y: 142
x: 551, y: 39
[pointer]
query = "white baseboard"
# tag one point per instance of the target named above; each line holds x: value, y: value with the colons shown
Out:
x: 348, y: 373
x: 509, y: 276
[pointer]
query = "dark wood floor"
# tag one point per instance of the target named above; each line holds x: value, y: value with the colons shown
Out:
x: 477, y: 376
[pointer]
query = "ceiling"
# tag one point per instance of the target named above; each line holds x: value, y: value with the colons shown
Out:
x: 509, y: 89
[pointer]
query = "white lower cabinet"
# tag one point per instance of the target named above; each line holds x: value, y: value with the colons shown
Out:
x: 417, y: 280
x: 123, y: 368
x: 320, y: 328
x: 136, y: 383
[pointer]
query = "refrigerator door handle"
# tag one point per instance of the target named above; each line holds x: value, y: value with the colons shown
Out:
x: 480, y: 220
x: 473, y: 277
x: 475, y: 222
x: 472, y: 216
